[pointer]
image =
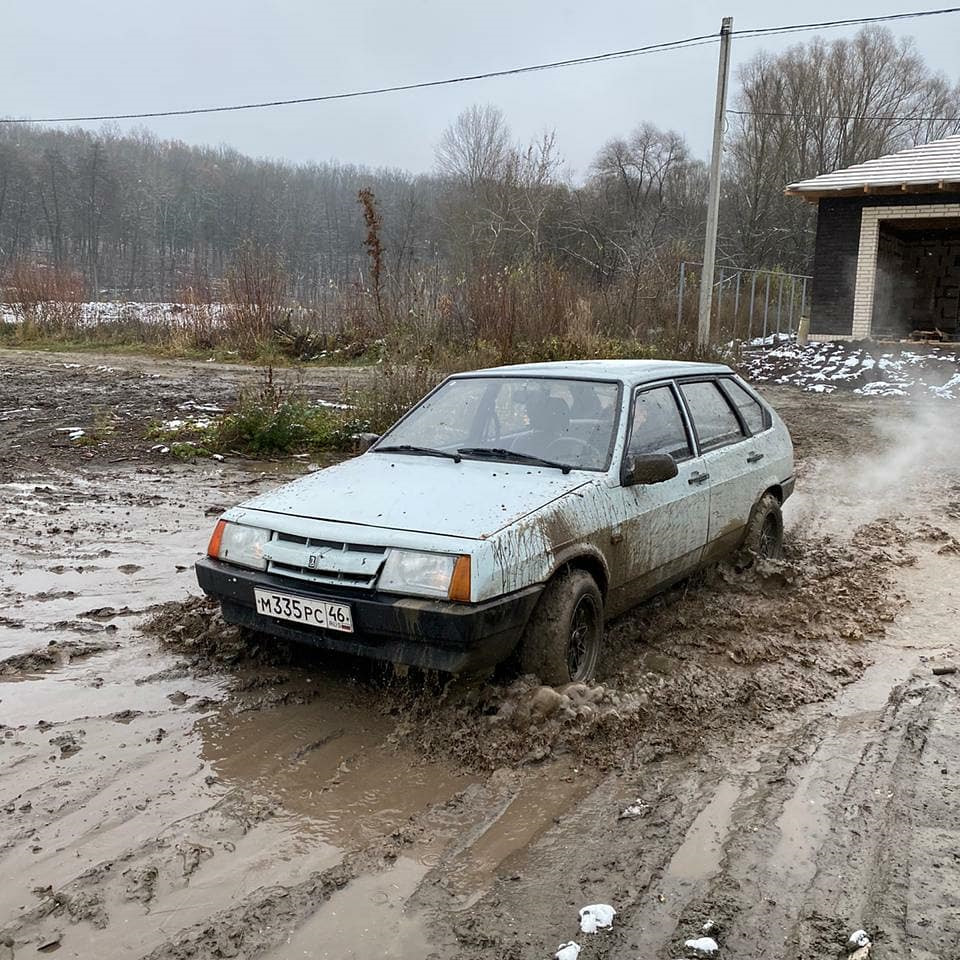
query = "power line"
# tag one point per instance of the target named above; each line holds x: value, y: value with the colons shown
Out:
x: 839, y: 116
x: 396, y: 88
x: 514, y: 71
x: 857, y: 21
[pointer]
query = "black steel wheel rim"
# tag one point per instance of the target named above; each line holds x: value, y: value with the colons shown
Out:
x: 581, y: 647
x: 768, y: 537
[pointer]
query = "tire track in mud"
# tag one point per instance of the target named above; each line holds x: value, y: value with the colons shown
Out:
x: 767, y: 831
x: 894, y: 847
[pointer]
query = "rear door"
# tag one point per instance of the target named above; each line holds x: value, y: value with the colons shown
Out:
x: 663, y: 526
x: 769, y: 452
x: 724, y: 445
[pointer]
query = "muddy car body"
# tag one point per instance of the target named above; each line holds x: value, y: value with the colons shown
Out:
x: 512, y: 509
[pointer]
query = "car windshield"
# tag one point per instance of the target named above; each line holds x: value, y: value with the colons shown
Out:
x: 566, y: 423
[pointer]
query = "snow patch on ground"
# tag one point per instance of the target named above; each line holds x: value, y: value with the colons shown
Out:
x: 873, y: 370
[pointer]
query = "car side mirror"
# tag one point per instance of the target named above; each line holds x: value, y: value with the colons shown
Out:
x: 365, y: 441
x: 648, y: 469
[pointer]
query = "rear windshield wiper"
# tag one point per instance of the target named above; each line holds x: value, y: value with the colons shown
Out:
x: 514, y: 456
x: 419, y: 451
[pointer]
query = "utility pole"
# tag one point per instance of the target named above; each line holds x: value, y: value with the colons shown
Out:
x: 713, y: 199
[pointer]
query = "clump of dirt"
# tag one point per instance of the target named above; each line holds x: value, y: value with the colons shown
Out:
x: 196, y: 628
x: 55, y: 654
x: 69, y: 743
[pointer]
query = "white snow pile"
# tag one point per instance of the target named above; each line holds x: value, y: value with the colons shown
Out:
x: 186, y: 423
x: 598, y: 916
x: 633, y: 810
x: 858, y: 946
x: 703, y: 946
x: 875, y: 370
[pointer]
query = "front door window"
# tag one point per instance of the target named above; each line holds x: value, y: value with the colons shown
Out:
x: 658, y: 425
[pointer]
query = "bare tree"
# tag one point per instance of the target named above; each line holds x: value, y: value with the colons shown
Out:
x: 814, y: 108
x: 475, y: 147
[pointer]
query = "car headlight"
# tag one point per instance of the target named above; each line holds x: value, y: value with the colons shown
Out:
x: 240, y: 544
x: 419, y: 574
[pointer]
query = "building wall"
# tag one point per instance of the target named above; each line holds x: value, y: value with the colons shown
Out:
x: 836, y: 250
x: 934, y: 260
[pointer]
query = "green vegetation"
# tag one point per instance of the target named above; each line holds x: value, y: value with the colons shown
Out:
x: 263, y: 424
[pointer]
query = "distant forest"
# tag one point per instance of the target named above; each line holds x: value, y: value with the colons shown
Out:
x: 142, y: 218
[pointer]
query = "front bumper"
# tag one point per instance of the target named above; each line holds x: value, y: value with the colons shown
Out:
x: 433, y: 634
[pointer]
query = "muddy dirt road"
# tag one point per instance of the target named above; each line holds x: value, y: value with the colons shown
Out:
x: 769, y: 751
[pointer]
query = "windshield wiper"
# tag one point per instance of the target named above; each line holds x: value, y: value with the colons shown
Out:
x: 419, y: 451
x: 514, y: 456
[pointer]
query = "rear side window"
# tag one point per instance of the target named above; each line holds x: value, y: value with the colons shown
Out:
x: 714, y: 420
x: 658, y: 425
x: 749, y: 407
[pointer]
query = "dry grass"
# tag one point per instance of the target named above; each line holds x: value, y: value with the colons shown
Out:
x: 257, y: 300
x: 46, y: 300
x: 423, y: 321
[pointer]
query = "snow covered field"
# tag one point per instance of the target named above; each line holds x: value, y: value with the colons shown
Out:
x: 91, y: 314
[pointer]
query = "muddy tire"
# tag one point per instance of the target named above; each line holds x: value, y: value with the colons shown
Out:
x: 764, y: 531
x: 562, y: 639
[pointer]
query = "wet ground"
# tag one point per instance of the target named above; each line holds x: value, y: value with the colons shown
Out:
x: 770, y: 751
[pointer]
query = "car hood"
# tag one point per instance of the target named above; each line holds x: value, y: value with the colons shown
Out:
x: 471, y: 499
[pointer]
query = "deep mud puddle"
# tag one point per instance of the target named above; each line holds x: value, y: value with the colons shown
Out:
x: 765, y: 749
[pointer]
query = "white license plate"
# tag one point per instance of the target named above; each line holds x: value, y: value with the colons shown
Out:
x: 314, y: 613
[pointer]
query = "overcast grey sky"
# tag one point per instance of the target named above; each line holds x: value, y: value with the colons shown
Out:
x: 107, y: 56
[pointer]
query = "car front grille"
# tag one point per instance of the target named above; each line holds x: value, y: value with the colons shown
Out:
x: 324, y: 561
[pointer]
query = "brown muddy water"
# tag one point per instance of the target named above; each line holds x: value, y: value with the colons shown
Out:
x: 769, y: 751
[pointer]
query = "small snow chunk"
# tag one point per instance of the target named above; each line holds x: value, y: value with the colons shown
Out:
x: 704, y: 946
x: 858, y: 938
x: 598, y: 916
x: 567, y: 951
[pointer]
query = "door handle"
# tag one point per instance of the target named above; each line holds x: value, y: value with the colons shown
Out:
x: 698, y: 478
x: 755, y: 458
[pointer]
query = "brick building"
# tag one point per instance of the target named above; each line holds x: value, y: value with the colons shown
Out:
x: 887, y: 256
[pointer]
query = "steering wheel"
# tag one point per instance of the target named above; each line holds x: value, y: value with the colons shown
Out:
x: 575, y: 445
x: 492, y: 419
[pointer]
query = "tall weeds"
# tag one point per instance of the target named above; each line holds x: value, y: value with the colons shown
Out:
x: 46, y: 300
x: 257, y: 303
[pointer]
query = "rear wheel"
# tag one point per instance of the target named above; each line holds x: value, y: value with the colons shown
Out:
x: 765, y: 531
x: 562, y: 640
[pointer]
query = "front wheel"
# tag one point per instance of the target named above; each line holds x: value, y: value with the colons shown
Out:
x: 562, y: 640
x: 765, y: 530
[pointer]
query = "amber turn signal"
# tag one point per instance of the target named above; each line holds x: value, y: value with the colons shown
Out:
x: 213, y: 547
x: 460, y: 581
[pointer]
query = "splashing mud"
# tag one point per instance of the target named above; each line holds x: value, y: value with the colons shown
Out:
x: 732, y: 644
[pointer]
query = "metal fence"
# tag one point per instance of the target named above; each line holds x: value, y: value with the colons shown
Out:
x: 746, y: 303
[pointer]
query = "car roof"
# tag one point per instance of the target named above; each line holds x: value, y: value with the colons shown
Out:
x: 627, y: 371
